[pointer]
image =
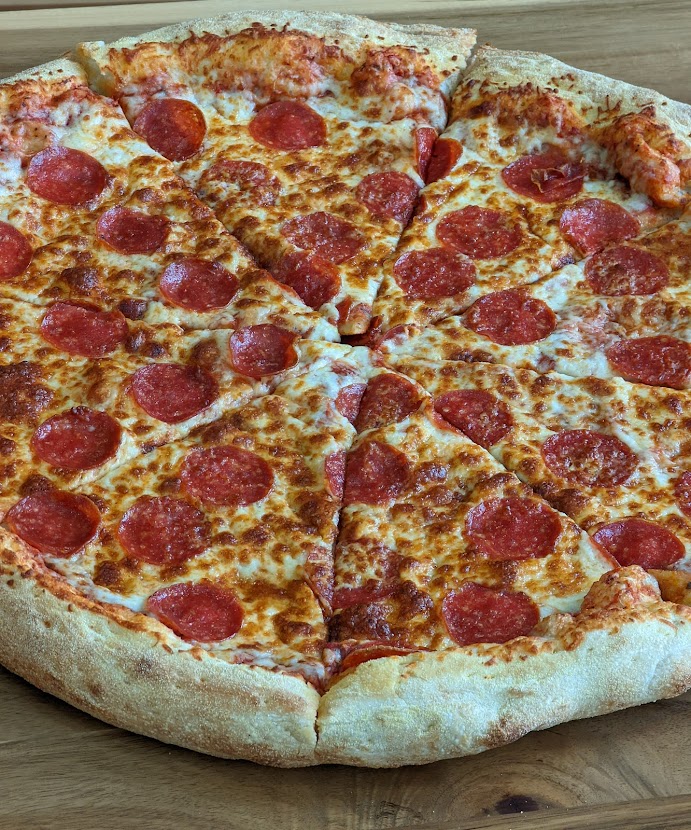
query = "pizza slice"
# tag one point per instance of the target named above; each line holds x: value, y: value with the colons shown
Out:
x: 308, y: 134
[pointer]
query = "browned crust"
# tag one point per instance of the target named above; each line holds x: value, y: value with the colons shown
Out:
x: 56, y: 70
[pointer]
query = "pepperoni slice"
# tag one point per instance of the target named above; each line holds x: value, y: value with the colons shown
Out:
x: 658, y: 361
x: 164, y: 531
x: 593, y: 223
x: 249, y: 176
x: 387, y: 564
x: 545, y: 177
x: 348, y: 400
x: 389, y: 195
x: 197, y: 284
x: 388, y: 399
x: 171, y: 392
x: 682, y: 493
x: 324, y: 234
x: 513, y: 528
x: 477, y: 414
x: 637, y: 542
x: 476, y: 614
x: 258, y: 351
x: 83, y: 329
x: 226, y: 476
x: 334, y: 470
x: 589, y: 458
x: 364, y: 654
x: 313, y: 279
x: 131, y: 231
x: 623, y: 270
x: 15, y: 252
x: 424, y: 144
x: 198, y: 611
x: 173, y: 127
x: 433, y: 274
x: 511, y: 318
x: 445, y: 154
x: 480, y: 233
x: 288, y: 125
x: 66, y: 176
x: 375, y: 474
x: 79, y: 439
x: 54, y: 521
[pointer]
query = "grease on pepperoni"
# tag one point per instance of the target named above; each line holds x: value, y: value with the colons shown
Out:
x: 545, y: 177
x: 324, y: 234
x: 477, y: 614
x: 623, y: 270
x: 250, y: 177
x: 478, y: 414
x: 388, y: 399
x: 657, y: 361
x: 348, y: 400
x: 54, y: 522
x: 288, y: 125
x: 227, y: 476
x: 131, y: 231
x: 375, y: 474
x: 164, y: 531
x: 424, y: 145
x: 15, y: 252
x: 66, y: 176
x: 83, y: 329
x: 433, y: 274
x: 445, y: 154
x: 198, y: 284
x: 638, y: 542
x: 593, y: 223
x: 174, y: 127
x: 389, y: 195
x: 334, y: 470
x: 199, y: 611
x: 265, y: 349
x: 511, y: 318
x: 480, y: 233
x: 172, y: 392
x: 314, y: 279
x: 79, y: 439
x: 513, y: 528
x: 589, y: 458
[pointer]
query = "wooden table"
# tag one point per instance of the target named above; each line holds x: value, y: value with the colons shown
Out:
x: 60, y: 768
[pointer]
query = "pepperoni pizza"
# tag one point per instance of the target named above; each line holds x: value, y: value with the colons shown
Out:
x: 471, y: 518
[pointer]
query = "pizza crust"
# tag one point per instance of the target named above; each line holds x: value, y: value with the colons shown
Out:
x: 52, y: 71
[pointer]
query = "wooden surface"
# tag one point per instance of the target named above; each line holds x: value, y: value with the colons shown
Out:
x: 60, y: 768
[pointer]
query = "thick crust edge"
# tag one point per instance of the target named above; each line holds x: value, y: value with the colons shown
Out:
x: 56, y: 70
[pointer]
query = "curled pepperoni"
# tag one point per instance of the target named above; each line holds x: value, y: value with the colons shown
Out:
x: 375, y: 474
x: 593, y: 223
x: 424, y: 144
x: 83, y: 329
x: 478, y: 414
x: 171, y: 392
x: 433, y: 274
x: 480, y: 233
x: 658, y: 361
x: 226, y: 476
x: 334, y: 470
x: 348, y: 400
x: 15, y: 252
x: 288, y: 125
x: 314, y: 280
x: 198, y: 611
x: 445, y: 154
x: 54, y: 521
x: 66, y: 176
x: 79, y: 439
x: 250, y: 177
x: 173, y: 127
x: 388, y: 399
x: 589, y: 458
x: 164, y: 531
x: 511, y: 318
x: 131, y: 231
x: 682, y: 493
x: 623, y: 270
x: 389, y: 195
x: 476, y: 614
x: 324, y: 234
x: 258, y: 351
x: 513, y: 528
x: 637, y: 542
x: 197, y: 284
x: 373, y: 651
x: 545, y: 177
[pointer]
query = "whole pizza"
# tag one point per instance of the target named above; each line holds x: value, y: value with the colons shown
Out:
x: 345, y: 389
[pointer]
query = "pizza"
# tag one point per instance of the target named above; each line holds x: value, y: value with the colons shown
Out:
x: 345, y: 389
